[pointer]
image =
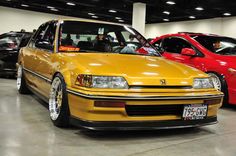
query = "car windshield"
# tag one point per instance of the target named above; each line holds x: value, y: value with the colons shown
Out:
x: 218, y: 45
x: 89, y: 37
x: 10, y: 41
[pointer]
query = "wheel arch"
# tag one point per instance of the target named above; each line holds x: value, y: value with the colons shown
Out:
x: 64, y: 74
x: 220, y: 75
x: 224, y: 83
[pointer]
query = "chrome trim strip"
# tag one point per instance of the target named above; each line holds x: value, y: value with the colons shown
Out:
x: 36, y: 74
x: 143, y: 97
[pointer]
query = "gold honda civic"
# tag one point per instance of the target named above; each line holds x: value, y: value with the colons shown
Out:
x: 103, y: 76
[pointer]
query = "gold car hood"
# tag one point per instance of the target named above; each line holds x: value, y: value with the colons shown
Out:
x: 136, y: 69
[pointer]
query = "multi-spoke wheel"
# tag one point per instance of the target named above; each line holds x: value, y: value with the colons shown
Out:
x: 20, y: 81
x: 19, y: 77
x: 58, y: 103
x: 220, y: 84
x: 216, y: 81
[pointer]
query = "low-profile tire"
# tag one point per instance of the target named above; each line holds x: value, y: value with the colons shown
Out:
x: 58, y: 102
x: 20, y: 81
x: 220, y: 84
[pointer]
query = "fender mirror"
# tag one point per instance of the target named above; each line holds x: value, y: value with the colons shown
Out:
x: 43, y: 44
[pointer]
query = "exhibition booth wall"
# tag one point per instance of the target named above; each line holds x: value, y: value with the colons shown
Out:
x: 16, y: 19
x: 221, y: 26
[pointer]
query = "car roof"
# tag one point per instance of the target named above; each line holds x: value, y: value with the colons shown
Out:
x: 183, y: 34
x: 186, y: 34
x: 86, y: 20
x: 17, y: 32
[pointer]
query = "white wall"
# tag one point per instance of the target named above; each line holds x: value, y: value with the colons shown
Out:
x: 222, y: 26
x: 12, y: 19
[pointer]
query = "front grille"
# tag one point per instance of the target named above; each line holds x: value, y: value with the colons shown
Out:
x: 154, y: 110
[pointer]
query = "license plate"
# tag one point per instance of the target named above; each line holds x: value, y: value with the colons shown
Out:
x: 194, y: 112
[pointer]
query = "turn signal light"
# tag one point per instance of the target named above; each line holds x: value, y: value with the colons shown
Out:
x: 119, y: 104
x: 84, y: 81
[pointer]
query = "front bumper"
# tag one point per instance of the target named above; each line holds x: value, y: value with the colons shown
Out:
x: 232, y: 96
x: 7, y: 68
x: 84, y: 113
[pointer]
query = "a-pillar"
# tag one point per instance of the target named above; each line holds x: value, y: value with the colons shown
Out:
x: 139, y: 17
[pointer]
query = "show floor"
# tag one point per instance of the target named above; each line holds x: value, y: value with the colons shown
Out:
x: 26, y: 130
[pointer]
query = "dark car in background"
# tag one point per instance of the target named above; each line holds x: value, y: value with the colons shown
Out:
x: 10, y: 44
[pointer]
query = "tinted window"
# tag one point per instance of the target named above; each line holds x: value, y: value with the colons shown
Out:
x: 158, y: 45
x: 38, y: 35
x: 95, y: 37
x: 218, y: 45
x: 175, y: 45
x: 45, y: 33
x: 49, y: 34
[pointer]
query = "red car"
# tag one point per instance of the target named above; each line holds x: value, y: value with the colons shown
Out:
x: 213, y: 54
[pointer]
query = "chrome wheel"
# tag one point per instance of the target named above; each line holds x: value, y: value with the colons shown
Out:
x: 19, y: 77
x: 55, y: 100
x: 216, y: 81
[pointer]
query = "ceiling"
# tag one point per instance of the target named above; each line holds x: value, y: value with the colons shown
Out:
x: 182, y: 10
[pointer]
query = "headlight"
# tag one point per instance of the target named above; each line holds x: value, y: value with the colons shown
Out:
x: 91, y: 81
x: 232, y: 71
x: 200, y: 83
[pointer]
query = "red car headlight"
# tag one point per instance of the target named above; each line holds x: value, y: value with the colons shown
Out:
x: 232, y: 71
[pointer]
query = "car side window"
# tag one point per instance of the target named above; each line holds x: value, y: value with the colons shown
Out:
x: 158, y: 45
x: 175, y: 45
x: 37, y: 35
x: 44, y: 37
x: 49, y: 34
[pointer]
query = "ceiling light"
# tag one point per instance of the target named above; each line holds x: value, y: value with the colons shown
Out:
x: 71, y: 4
x: 53, y: 9
x: 199, y: 8
x: 118, y: 18
x: 24, y: 5
x: 8, y: 0
x: 92, y: 14
x: 227, y: 14
x: 166, y: 20
x: 166, y: 12
x: 113, y: 11
x: 170, y: 2
x: 192, y: 17
x: 121, y: 20
x: 50, y: 7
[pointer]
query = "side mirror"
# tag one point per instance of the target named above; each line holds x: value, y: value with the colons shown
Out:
x: 188, y: 52
x: 43, y: 44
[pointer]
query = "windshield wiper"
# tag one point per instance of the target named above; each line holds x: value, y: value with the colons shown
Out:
x: 130, y: 53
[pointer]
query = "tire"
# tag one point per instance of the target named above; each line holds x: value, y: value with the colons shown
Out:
x: 20, y: 81
x: 220, y: 84
x: 58, y: 102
